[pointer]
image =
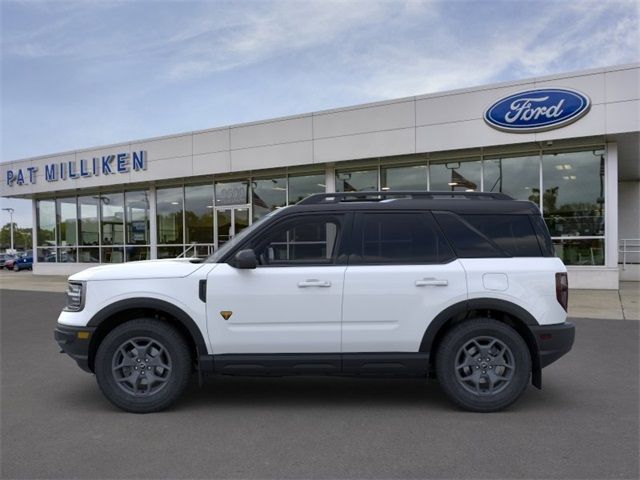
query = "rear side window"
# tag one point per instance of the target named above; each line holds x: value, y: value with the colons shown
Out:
x: 544, y: 239
x: 512, y: 233
x: 399, y: 238
x: 467, y: 241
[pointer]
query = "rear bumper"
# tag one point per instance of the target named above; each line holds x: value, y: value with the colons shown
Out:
x: 75, y: 341
x: 553, y: 341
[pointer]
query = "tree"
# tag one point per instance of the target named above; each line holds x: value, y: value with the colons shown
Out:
x: 21, y: 237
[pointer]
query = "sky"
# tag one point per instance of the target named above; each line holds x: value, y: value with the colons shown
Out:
x: 77, y: 74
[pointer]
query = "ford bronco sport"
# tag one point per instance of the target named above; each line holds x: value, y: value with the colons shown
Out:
x: 463, y: 287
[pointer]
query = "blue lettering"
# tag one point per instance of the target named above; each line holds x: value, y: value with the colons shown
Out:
x: 51, y: 173
x: 122, y: 163
x: 96, y: 167
x: 72, y: 172
x: 63, y: 171
x: 32, y: 174
x: 83, y: 170
x: 106, y: 164
x: 20, y: 177
x: 10, y: 177
x: 140, y: 161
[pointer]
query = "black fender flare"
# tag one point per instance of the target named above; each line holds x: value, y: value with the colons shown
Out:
x: 462, y: 308
x: 156, y: 304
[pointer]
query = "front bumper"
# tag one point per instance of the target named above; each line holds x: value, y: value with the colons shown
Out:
x: 75, y: 341
x: 553, y: 341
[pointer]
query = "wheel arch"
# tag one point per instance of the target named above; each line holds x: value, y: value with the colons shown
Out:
x: 120, y: 312
x: 506, y: 312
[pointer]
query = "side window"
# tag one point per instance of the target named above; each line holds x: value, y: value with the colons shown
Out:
x: 513, y: 233
x: 400, y: 238
x: 467, y: 241
x: 308, y: 240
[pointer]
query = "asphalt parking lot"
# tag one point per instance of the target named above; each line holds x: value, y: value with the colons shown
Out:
x: 55, y: 423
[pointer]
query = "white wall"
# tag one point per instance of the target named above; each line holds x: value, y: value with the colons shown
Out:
x: 428, y: 123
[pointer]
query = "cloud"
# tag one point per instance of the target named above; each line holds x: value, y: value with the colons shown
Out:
x: 380, y: 39
x: 267, y: 31
x: 560, y: 40
x: 120, y: 68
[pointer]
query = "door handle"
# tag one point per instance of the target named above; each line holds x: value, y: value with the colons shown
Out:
x: 314, y: 283
x: 431, y: 282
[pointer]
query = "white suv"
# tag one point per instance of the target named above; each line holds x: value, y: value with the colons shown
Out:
x: 461, y: 286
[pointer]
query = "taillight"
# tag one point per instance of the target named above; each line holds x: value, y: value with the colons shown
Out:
x: 562, y: 289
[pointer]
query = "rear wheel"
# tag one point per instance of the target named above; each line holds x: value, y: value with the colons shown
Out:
x: 143, y: 365
x: 483, y: 365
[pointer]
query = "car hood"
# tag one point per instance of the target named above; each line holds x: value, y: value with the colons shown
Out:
x: 146, y: 269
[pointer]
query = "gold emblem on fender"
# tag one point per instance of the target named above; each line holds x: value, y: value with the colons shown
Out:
x: 226, y: 314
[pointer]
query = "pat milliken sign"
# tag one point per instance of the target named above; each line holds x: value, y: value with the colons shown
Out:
x: 117, y: 163
x: 537, y: 110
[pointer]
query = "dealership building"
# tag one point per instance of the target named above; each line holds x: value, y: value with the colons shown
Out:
x: 570, y: 143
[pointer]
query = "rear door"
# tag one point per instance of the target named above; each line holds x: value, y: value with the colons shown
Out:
x: 401, y: 274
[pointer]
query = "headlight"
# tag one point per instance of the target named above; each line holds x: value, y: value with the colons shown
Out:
x: 75, y: 297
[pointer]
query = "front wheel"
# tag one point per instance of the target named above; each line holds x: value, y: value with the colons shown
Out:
x: 16, y: 268
x: 483, y: 365
x: 143, y: 365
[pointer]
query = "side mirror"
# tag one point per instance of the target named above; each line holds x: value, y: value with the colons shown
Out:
x: 246, y: 259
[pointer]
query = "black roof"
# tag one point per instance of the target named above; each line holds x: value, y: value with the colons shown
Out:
x: 458, y: 202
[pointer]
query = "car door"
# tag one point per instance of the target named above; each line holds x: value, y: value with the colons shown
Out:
x: 290, y: 303
x: 401, y: 274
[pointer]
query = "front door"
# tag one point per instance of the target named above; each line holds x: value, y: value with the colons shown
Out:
x: 229, y: 222
x: 290, y: 303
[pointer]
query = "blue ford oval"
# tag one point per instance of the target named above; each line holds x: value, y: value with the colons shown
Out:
x: 537, y: 110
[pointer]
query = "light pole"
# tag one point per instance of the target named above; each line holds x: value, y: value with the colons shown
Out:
x: 10, y: 210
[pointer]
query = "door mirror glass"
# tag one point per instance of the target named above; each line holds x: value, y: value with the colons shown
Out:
x: 245, y: 259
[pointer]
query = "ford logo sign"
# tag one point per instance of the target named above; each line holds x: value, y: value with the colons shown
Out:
x: 537, y: 110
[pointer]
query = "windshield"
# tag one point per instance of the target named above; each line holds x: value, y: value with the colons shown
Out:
x: 231, y: 244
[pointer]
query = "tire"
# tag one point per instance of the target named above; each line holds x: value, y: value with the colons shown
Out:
x: 471, y: 381
x: 16, y: 268
x: 129, y: 346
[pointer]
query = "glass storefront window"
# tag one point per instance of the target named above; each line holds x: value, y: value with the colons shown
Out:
x: 267, y: 194
x: 134, y: 254
x: 580, y: 251
x: 112, y: 218
x: 112, y: 255
x: 198, y: 211
x: 115, y: 227
x: 301, y: 186
x: 46, y: 222
x: 169, y: 252
x: 67, y: 254
x: 67, y: 221
x: 232, y: 193
x: 404, y: 178
x: 89, y: 255
x: 573, y: 199
x: 88, y: 231
x: 518, y: 177
x: 169, y: 209
x: 137, y: 217
x: 459, y: 176
x: 357, y: 180
x: 46, y: 255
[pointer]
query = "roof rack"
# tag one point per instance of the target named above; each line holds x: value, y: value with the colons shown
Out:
x: 398, y: 195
